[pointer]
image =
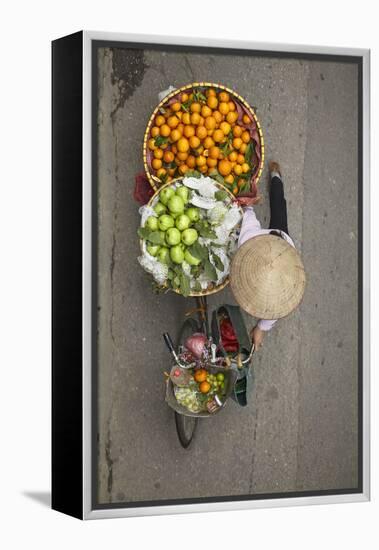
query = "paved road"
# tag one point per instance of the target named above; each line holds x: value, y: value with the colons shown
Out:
x: 300, y: 430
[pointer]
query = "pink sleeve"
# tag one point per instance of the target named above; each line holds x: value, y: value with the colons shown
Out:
x: 265, y: 324
x: 250, y: 226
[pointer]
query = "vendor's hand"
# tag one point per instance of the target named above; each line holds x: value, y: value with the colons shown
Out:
x: 257, y: 336
x: 247, y: 200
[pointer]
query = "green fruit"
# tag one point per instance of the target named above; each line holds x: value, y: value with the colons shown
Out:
x: 220, y: 376
x: 163, y: 255
x: 177, y: 254
x: 190, y: 259
x: 153, y: 249
x: 193, y: 214
x: 189, y: 236
x: 166, y: 194
x: 182, y: 192
x: 152, y: 223
x: 160, y: 208
x: 182, y: 222
x: 172, y: 236
x: 176, y: 205
x: 165, y: 222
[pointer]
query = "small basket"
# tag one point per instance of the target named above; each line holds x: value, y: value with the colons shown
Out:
x: 230, y: 378
x: 154, y: 181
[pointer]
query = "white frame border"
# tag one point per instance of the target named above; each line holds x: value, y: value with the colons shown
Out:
x: 88, y: 512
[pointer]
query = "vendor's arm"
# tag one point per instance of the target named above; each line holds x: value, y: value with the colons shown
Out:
x: 250, y: 225
x: 259, y: 331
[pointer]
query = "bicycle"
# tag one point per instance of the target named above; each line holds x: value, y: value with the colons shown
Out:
x: 186, y: 423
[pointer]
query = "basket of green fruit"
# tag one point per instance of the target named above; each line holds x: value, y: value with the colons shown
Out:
x: 188, y: 235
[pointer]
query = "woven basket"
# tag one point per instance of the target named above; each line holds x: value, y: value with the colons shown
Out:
x: 156, y: 182
x: 225, y: 283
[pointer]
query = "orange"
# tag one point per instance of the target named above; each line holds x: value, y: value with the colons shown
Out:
x: 233, y: 156
x: 224, y: 167
x: 175, y: 135
x: 218, y: 116
x: 245, y: 167
x: 225, y: 127
x: 211, y: 162
x: 210, y: 123
x: 168, y: 156
x: 237, y: 131
x: 204, y: 387
x: 243, y: 147
x: 184, y: 98
x: 172, y: 121
x: 214, y: 152
x: 201, y: 132
x: 151, y: 144
x: 237, y: 142
x: 231, y: 117
x: 182, y: 155
x: 229, y: 179
x: 206, y: 111
x: 218, y: 135
x: 156, y: 164
x: 235, y: 191
x: 161, y: 172
x: 179, y: 115
x: 155, y: 131
x: 203, y: 169
x: 200, y: 375
x: 241, y: 182
x: 200, y: 150
x: 211, y: 92
x: 158, y: 153
x: 245, y: 136
x: 232, y: 106
x: 195, y: 107
x: 237, y: 169
x: 195, y: 118
x: 176, y: 106
x: 201, y: 161
x: 223, y: 108
x: 212, y: 102
x: 186, y: 118
x: 165, y: 130
x: 159, y: 120
x: 194, y: 142
x: 191, y: 161
x: 183, y: 145
x: 174, y: 149
x: 208, y: 142
x: 183, y: 169
x: 224, y: 96
x: 201, y: 121
x: 246, y: 119
x: 189, y: 131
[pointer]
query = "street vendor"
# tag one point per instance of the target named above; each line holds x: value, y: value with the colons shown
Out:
x: 267, y: 274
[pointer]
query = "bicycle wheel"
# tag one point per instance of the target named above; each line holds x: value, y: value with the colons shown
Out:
x: 186, y: 425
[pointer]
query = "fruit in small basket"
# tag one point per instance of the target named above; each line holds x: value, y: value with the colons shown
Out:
x: 165, y: 222
x: 183, y: 193
x: 182, y: 222
x: 173, y: 236
x: 166, y: 194
x: 200, y: 375
x: 160, y: 209
x: 220, y: 376
x: 163, y: 255
x: 153, y: 249
x: 205, y: 387
x: 191, y: 260
x: 193, y: 214
x: 176, y: 204
x: 152, y: 223
x: 177, y: 254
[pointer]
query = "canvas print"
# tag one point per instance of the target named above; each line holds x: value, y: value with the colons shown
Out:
x: 226, y: 362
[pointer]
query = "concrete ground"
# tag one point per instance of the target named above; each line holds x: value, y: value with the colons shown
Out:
x: 299, y: 432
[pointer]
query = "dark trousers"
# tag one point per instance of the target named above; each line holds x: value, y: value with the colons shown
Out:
x: 278, y: 206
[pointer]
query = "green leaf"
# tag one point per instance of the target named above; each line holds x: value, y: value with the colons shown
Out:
x: 198, y: 251
x: 197, y: 287
x: 156, y: 237
x: 207, y: 233
x: 210, y: 271
x: 218, y: 263
x: 160, y: 140
x: 249, y: 153
x: 185, y: 287
x: 192, y: 174
x: 144, y: 232
x: 221, y: 195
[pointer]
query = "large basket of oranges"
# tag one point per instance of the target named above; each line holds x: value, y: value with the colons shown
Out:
x: 208, y: 129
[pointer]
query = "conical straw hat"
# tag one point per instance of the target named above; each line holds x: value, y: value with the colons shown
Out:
x: 267, y: 277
